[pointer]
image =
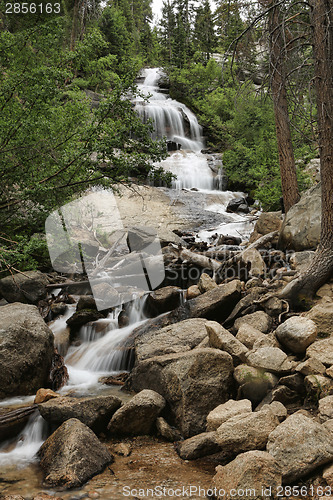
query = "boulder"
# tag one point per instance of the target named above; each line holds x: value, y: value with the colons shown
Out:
x: 271, y: 359
x: 193, y: 383
x: 318, y: 386
x: 259, y: 320
x: 220, y: 338
x: 72, y: 455
x: 322, y: 350
x: 167, y: 431
x: 268, y: 222
x: 301, y: 227
x: 29, y: 287
x: 80, y: 318
x: 206, y: 283
x: 246, y: 432
x: 326, y: 408
x: 258, y: 266
x: 163, y: 300
x: 322, y: 315
x: 256, y: 473
x: 248, y: 335
x: 44, y: 395
x: 301, y: 260
x: 278, y: 409
x: 254, y: 383
x: 300, y: 445
x: 192, y: 292
x: 179, y: 337
x: 311, y: 366
x: 95, y: 411
x: 138, y: 415
x: 297, y: 333
x: 86, y: 302
x: 223, y: 412
x: 238, y: 205
x: 198, y: 446
x: 26, y: 350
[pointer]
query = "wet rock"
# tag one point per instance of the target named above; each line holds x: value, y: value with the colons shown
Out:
x: 248, y: 335
x: 192, y: 292
x: 167, y: 431
x: 86, y: 302
x: 107, y: 296
x: 246, y: 432
x: 198, y: 446
x: 318, y: 386
x: 206, y: 283
x: 259, y: 320
x: 26, y: 350
x: 238, y: 205
x: 29, y: 287
x: 179, y: 337
x: 95, y: 412
x: 223, y: 412
x: 322, y: 350
x: 163, y: 300
x: 300, y: 445
x: 58, y: 308
x: 193, y: 383
x: 44, y: 395
x: 271, y: 359
x: 322, y: 315
x: 301, y: 260
x: 255, y: 472
x: 326, y: 408
x: 297, y: 333
x: 220, y: 338
x: 301, y: 227
x: 138, y: 415
x: 72, y: 455
x: 82, y: 317
x: 311, y: 366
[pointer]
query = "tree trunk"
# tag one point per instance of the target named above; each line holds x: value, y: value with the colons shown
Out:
x: 283, y: 134
x: 321, y: 268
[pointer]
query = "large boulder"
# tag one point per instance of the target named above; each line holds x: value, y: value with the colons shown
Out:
x: 138, y: 415
x: 29, y: 287
x: 95, y: 412
x: 297, y: 333
x: 300, y: 445
x: 256, y: 473
x: 26, y: 350
x: 301, y: 226
x: 193, y: 383
x: 179, y: 337
x: 72, y: 455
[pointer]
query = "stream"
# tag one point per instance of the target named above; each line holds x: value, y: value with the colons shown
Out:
x: 98, y: 352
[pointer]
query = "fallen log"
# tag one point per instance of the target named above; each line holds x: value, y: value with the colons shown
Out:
x: 13, y: 421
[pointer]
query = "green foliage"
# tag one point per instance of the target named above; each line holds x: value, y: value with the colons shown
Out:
x: 25, y: 253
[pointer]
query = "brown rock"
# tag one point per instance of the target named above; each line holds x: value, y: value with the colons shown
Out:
x: 44, y: 395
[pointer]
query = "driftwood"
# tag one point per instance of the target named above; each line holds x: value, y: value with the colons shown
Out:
x: 197, y: 259
x: 13, y: 416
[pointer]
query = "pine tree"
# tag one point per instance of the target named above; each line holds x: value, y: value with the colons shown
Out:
x: 204, y: 37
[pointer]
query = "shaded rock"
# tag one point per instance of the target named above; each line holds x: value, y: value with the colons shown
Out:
x: 246, y: 432
x: 301, y: 260
x: 259, y: 320
x: 179, y: 337
x: 252, y: 472
x: 318, y: 386
x: 238, y: 205
x: 44, y: 395
x: 300, y: 445
x: 322, y: 350
x: 58, y: 308
x: 29, y: 287
x: 297, y: 333
x: 220, y: 338
x: 254, y: 383
x: 258, y: 266
x: 107, y: 296
x: 193, y: 384
x: 295, y: 382
x: 271, y: 359
x: 86, y: 302
x: 273, y: 306
x: 278, y: 409
x: 138, y: 415
x: 322, y: 315
x: 82, y: 317
x: 72, y: 455
x: 198, y: 446
x: 326, y: 408
x: 223, y: 412
x: 192, y: 292
x: 206, y: 283
x: 26, y: 350
x: 139, y: 238
x: 268, y: 222
x: 163, y: 300
x: 167, y: 431
x: 311, y: 366
x: 248, y: 335
x: 122, y: 449
x: 301, y: 227
x: 95, y: 411
x: 281, y: 394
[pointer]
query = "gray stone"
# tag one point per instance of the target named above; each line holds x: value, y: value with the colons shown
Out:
x: 259, y: 320
x: 29, y: 287
x: 297, y: 333
x: 198, y: 446
x: 72, y: 455
x: 300, y: 445
x: 167, y: 431
x: 301, y: 260
x: 206, y: 283
x: 258, y: 266
x: 179, y: 337
x: 26, y: 350
x: 220, y: 338
x: 246, y: 432
x: 270, y: 359
x: 223, y: 412
x: 326, y: 408
x: 248, y: 335
x: 193, y: 383
x: 95, y: 411
x: 322, y: 350
x: 301, y: 226
x: 253, y: 473
x: 322, y: 315
x: 138, y: 415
